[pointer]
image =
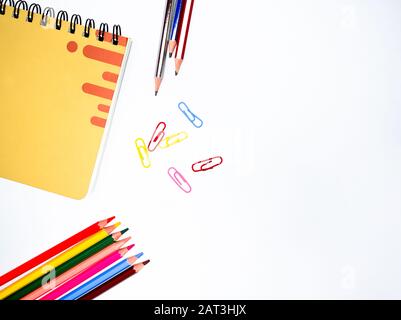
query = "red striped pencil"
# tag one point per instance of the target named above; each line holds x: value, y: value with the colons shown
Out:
x: 182, y: 33
x: 58, y: 248
x: 114, y: 281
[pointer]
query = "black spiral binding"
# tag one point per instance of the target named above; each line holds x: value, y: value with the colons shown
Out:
x: 17, y: 7
x: 104, y: 27
x: 3, y: 5
x: 46, y: 13
x: 31, y: 9
x: 61, y: 16
x: 116, y: 33
x: 75, y: 19
x: 89, y: 23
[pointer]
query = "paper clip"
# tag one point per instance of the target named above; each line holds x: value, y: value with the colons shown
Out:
x: 190, y: 115
x: 207, y: 164
x: 142, y: 152
x: 157, y: 137
x: 173, y: 139
x: 179, y: 180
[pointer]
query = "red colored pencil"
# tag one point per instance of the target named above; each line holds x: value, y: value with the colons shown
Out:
x: 182, y: 33
x: 58, y: 248
x: 114, y: 281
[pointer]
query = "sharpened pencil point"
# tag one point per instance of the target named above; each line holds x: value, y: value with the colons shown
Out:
x: 130, y: 246
x: 146, y: 262
x: 124, y: 231
x: 124, y: 241
x: 170, y: 54
x: 139, y: 255
x: 156, y: 93
x: 111, y: 218
x: 176, y: 73
x: 110, y: 229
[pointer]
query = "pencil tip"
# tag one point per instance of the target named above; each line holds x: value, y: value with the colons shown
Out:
x: 156, y: 93
x: 111, y: 218
x: 130, y: 246
x: 146, y: 262
x: 176, y: 73
x: 139, y: 255
x: 124, y: 231
x: 124, y: 241
x: 170, y: 54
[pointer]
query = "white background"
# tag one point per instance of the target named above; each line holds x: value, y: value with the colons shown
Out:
x: 302, y: 100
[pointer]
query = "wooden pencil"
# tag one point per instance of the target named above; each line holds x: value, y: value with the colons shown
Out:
x: 173, y: 35
x: 85, y: 275
x: 53, y: 251
x: 114, y: 281
x: 63, y: 257
x: 99, y: 279
x: 164, y: 39
x: 66, y: 265
x: 77, y: 269
x: 186, y: 11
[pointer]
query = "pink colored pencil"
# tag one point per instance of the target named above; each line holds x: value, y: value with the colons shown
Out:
x: 78, y: 268
x: 76, y: 281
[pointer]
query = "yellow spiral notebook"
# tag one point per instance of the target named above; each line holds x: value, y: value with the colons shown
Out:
x: 59, y: 81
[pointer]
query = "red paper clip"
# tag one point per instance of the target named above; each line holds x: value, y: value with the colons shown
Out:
x: 207, y: 164
x: 179, y: 180
x: 157, y: 137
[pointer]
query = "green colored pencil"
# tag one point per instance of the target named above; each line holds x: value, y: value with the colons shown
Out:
x: 67, y: 265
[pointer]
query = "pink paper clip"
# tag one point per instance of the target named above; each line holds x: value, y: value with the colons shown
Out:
x: 157, y: 136
x: 207, y: 164
x: 179, y: 180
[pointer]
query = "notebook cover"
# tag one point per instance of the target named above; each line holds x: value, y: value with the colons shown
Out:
x: 57, y: 91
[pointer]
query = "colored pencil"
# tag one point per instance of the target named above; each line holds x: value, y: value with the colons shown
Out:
x: 85, y: 275
x: 66, y: 266
x: 76, y: 270
x: 173, y: 42
x: 66, y: 255
x: 101, y: 278
x: 114, y: 281
x: 183, y: 32
x: 164, y: 39
x: 58, y: 248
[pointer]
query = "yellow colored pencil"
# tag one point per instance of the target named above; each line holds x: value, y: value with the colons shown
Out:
x: 55, y: 262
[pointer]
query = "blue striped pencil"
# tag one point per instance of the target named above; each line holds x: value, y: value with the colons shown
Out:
x: 101, y: 278
x: 173, y: 41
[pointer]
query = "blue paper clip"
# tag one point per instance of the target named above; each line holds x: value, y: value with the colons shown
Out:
x: 195, y: 120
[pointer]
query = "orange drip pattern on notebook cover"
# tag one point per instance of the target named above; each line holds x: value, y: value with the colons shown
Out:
x: 100, y: 122
x: 103, y: 55
x: 98, y: 91
x: 110, y: 76
x: 103, y: 108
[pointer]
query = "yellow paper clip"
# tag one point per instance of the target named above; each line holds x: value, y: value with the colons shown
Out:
x: 142, y: 152
x: 173, y: 139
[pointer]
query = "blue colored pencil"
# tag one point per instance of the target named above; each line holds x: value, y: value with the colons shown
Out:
x: 101, y: 278
x: 173, y: 41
